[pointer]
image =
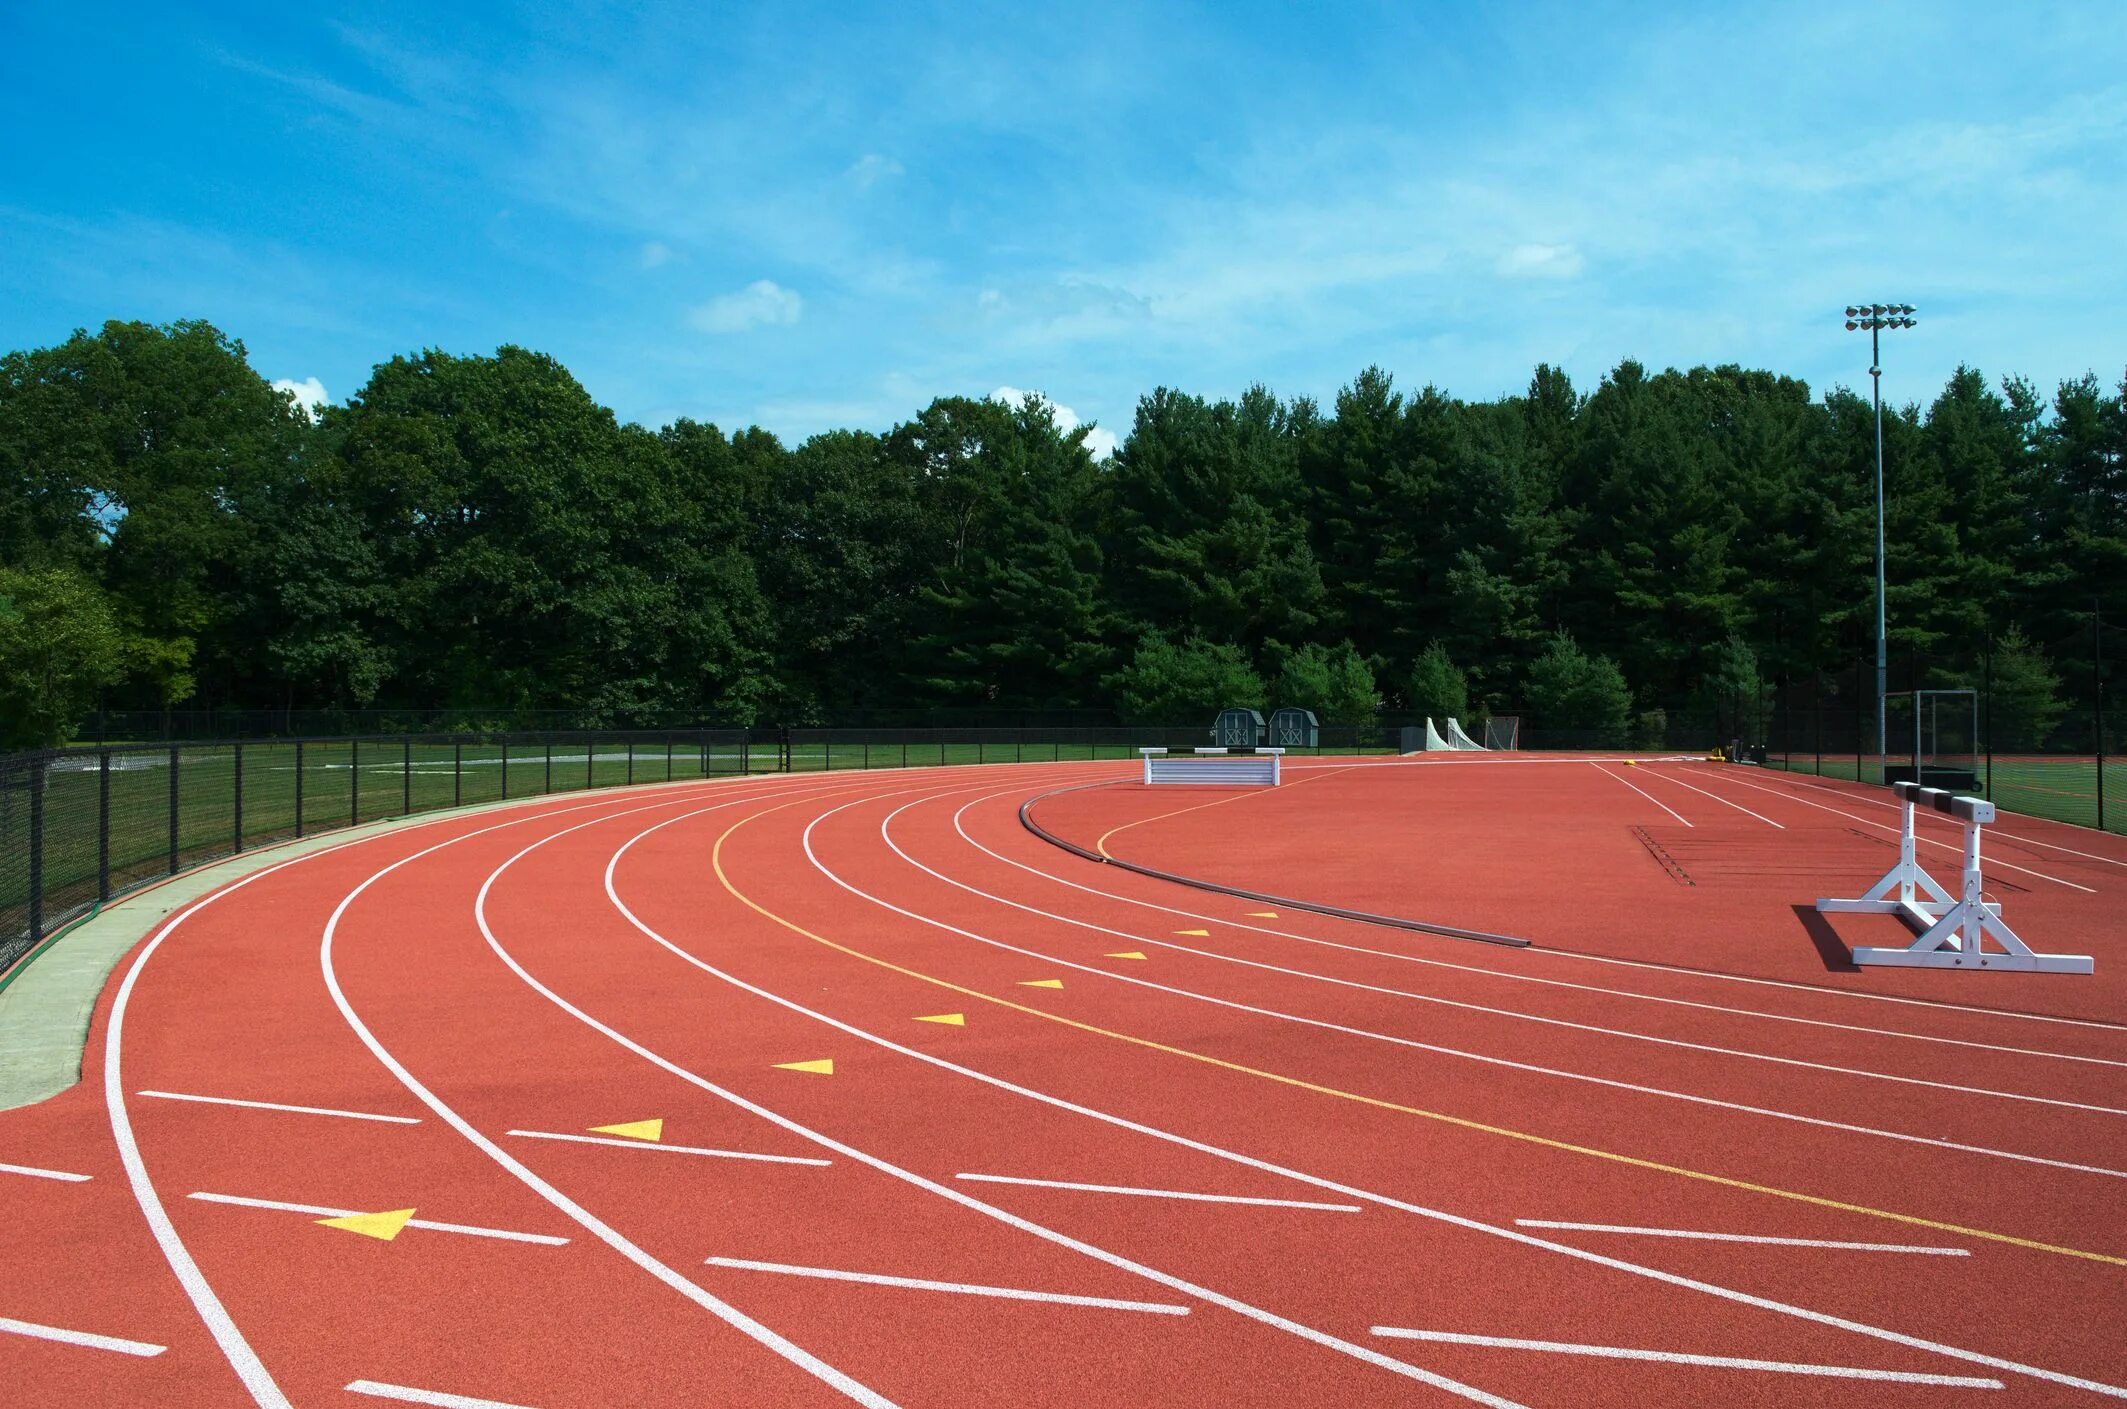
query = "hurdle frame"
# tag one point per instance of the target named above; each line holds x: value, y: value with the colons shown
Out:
x: 1213, y: 767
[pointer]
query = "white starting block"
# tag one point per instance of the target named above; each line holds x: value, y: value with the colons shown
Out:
x: 1215, y: 767
x: 1952, y: 928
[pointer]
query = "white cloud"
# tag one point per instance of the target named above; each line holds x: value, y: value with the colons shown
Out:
x: 1100, y: 444
x: 872, y: 168
x: 1540, y: 262
x: 309, y: 393
x: 654, y: 254
x: 761, y: 303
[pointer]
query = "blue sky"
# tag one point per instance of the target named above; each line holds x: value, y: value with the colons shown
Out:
x: 813, y: 216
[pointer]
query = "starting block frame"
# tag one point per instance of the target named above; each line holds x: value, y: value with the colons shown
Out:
x: 1953, y: 930
x: 1215, y: 767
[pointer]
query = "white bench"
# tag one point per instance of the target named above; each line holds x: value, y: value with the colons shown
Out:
x: 1214, y: 768
x: 1952, y: 928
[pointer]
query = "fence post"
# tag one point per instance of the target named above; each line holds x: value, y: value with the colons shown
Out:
x: 549, y: 785
x: 406, y: 775
x: 173, y: 809
x: 1986, y: 704
x: 457, y: 772
x: 299, y: 787
x: 668, y: 758
x: 505, y: 768
x: 354, y: 781
x: 590, y: 752
x: 2097, y: 691
x: 38, y: 764
x: 103, y: 824
x: 236, y: 753
x: 631, y: 760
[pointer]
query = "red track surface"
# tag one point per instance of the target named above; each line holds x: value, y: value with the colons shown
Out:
x: 1393, y: 1102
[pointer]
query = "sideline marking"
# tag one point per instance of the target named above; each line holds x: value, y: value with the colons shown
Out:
x: 277, y: 1106
x: 669, y: 1149
x: 825, y: 1066
x: 338, y: 1214
x: 1796, y: 779
x: 1462, y: 1122
x: 1041, y: 983
x: 946, y: 1019
x: 1157, y: 1193
x: 1159, y: 1308
x: 1742, y: 1238
x: 433, y: 1397
x: 89, y: 1339
x: 35, y: 1173
x: 1730, y: 802
x: 1678, y: 1357
x: 651, y: 1130
x: 1940, y: 845
x: 1642, y: 792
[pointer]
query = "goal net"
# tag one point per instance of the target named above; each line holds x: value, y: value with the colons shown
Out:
x: 1458, y: 739
x: 1502, y: 731
x: 1939, y: 731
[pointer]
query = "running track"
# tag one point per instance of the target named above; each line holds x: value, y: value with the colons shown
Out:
x: 1291, y: 1160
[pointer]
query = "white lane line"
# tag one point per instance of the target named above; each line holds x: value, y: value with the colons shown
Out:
x: 88, y: 1339
x: 960, y: 827
x: 1641, y: 791
x: 31, y: 1171
x: 434, y: 1397
x: 886, y: 834
x: 612, y: 1237
x: 1314, y: 1336
x: 1414, y: 1044
x: 1159, y: 1308
x: 278, y: 1106
x: 1718, y: 798
x: 321, y: 1211
x: 1677, y: 1357
x: 2004, y: 835
x: 1318, y: 1181
x: 1996, y: 862
x: 621, y: 1144
x: 1741, y: 1238
x: 1156, y: 1193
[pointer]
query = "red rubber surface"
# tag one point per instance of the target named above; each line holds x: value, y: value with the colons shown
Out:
x: 655, y: 953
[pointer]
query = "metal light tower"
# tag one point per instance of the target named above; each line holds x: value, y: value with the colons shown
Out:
x: 1875, y: 317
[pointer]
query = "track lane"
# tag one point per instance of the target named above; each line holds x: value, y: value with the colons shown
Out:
x: 1241, y: 1101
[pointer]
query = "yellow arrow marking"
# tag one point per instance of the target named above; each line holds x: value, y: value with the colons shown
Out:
x: 1041, y: 983
x: 633, y: 1129
x: 823, y: 1067
x: 1262, y: 914
x: 1127, y: 954
x: 381, y: 1226
x: 946, y: 1019
x: 1200, y: 934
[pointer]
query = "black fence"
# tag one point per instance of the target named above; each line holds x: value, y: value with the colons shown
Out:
x: 82, y: 825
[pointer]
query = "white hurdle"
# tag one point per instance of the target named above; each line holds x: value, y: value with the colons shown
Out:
x: 1215, y: 768
x: 1953, y: 930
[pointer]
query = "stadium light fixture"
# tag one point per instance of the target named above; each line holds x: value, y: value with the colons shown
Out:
x: 1875, y: 318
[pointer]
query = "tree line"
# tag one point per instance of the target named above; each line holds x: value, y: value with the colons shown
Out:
x: 479, y: 533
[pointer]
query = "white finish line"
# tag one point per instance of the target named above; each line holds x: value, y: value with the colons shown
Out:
x: 319, y: 1211
x: 619, y: 1143
x: 1677, y: 1357
x: 35, y: 1173
x: 435, y: 1397
x: 1742, y: 1238
x: 1156, y: 1193
x: 1158, y: 1308
x: 277, y: 1106
x: 87, y: 1339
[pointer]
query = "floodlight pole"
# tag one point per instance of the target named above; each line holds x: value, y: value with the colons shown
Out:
x: 1876, y: 317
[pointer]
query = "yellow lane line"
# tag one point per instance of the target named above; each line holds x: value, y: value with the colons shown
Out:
x: 716, y: 862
